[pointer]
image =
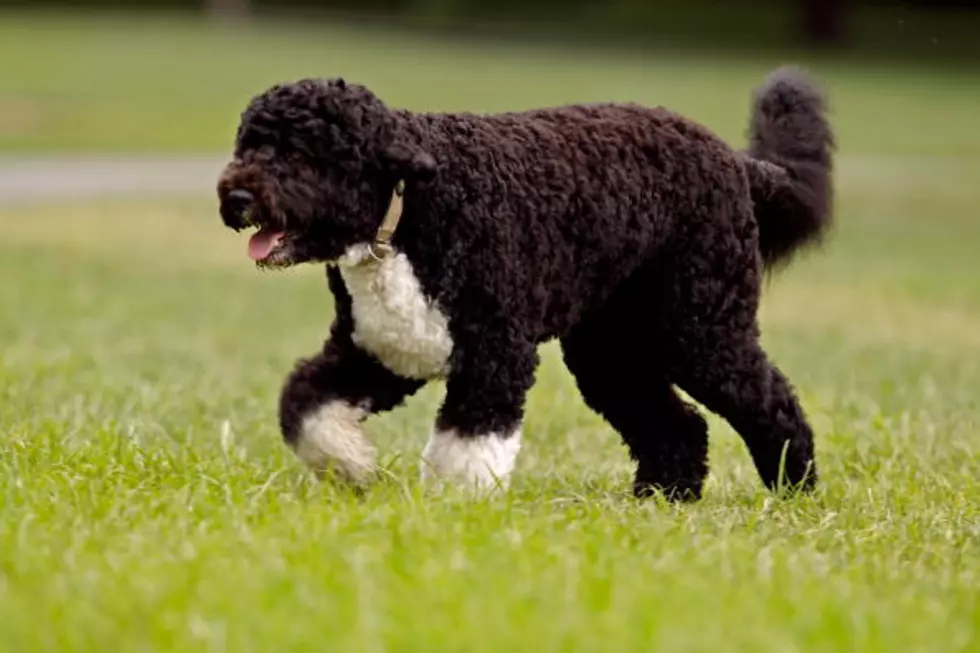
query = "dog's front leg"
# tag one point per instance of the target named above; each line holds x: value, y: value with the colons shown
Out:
x: 326, y: 398
x: 477, y: 433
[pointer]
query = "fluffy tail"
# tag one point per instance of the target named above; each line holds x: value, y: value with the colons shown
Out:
x: 789, y: 168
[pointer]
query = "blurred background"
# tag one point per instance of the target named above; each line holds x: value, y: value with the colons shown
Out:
x: 109, y: 97
x: 116, y: 117
x: 135, y: 104
x: 99, y: 76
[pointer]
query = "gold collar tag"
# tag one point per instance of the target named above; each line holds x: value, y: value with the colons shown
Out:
x: 381, y: 247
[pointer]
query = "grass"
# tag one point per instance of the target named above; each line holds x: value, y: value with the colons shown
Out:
x: 148, y: 504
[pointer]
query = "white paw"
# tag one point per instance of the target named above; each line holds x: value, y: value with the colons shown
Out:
x: 478, y: 462
x: 331, y: 438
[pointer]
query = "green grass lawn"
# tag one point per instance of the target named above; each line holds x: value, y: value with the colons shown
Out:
x: 147, y: 503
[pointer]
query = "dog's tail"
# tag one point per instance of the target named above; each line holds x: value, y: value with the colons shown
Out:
x: 789, y: 167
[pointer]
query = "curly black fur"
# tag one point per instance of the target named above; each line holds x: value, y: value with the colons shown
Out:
x: 635, y: 236
x: 792, y: 198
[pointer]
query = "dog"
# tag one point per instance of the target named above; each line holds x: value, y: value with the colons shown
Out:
x: 456, y: 243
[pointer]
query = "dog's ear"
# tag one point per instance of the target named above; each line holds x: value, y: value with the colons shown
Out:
x: 409, y: 162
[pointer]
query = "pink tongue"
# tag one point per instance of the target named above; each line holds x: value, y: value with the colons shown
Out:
x: 261, y: 244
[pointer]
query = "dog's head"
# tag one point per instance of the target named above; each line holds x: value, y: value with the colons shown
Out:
x: 314, y: 166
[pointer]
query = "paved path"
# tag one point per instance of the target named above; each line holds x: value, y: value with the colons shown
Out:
x: 31, y: 179
x: 25, y: 179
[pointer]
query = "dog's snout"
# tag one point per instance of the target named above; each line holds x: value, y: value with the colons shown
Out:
x: 235, y: 206
x: 241, y: 196
x: 238, y: 201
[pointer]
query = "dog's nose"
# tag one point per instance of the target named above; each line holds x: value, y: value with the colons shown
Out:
x: 241, y: 196
x: 234, y: 207
x: 238, y: 202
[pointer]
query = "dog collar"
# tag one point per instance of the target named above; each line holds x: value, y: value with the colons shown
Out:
x: 381, y: 247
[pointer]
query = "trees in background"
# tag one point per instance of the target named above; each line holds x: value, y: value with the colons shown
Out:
x: 227, y: 10
x: 824, y: 21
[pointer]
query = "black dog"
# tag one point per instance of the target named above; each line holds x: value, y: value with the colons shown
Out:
x: 456, y: 243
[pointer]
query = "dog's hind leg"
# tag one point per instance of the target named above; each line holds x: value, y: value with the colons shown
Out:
x: 716, y: 354
x: 614, y: 358
x: 731, y: 376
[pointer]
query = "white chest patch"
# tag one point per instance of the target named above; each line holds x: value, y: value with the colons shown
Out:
x: 393, y: 319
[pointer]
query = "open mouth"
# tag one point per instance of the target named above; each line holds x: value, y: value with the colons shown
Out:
x: 267, y: 246
x: 264, y: 243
